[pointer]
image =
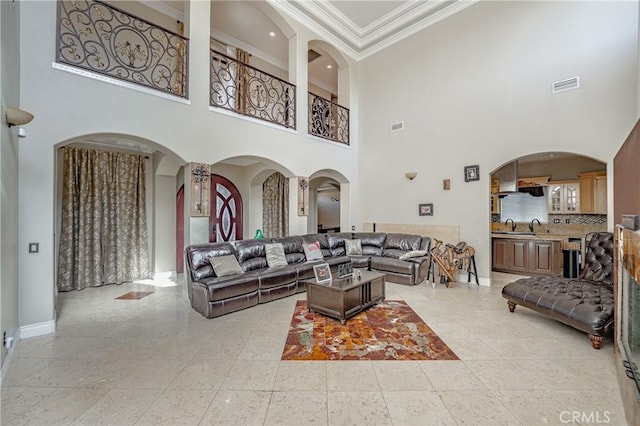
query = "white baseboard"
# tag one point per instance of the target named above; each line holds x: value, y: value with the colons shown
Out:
x: 7, y: 361
x: 39, y: 329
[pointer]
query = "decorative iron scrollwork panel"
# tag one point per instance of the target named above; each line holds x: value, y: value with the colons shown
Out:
x: 247, y: 90
x: 328, y: 120
x: 103, y: 39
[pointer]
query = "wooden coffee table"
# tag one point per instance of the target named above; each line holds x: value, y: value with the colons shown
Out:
x: 343, y: 298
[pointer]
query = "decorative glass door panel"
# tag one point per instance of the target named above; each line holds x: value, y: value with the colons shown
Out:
x: 225, y: 222
x: 571, y: 198
x: 555, y: 199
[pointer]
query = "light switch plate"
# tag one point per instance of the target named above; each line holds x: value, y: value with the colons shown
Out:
x: 34, y: 247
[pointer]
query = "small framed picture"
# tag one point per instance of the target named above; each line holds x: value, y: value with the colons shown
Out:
x: 425, y: 209
x: 471, y: 173
x: 322, y: 272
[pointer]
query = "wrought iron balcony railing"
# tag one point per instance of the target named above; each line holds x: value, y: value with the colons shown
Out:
x: 247, y: 90
x: 328, y: 120
x: 106, y: 40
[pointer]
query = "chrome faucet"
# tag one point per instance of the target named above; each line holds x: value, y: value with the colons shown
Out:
x: 513, y: 224
x: 531, y: 224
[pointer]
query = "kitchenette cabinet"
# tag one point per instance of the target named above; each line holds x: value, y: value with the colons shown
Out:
x: 527, y: 256
x: 564, y: 197
x: 593, y: 190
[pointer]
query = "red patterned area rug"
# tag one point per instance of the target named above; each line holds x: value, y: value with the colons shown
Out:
x: 390, y: 330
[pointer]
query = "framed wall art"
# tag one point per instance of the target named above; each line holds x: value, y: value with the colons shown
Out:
x: 471, y: 173
x: 425, y: 209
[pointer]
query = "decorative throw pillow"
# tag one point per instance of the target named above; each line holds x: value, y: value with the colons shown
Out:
x: 413, y: 253
x: 226, y: 265
x: 353, y: 247
x: 312, y: 251
x: 275, y: 255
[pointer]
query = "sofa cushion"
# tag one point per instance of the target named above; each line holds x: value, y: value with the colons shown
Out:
x: 231, y: 286
x: 388, y: 264
x: 198, y: 256
x: 225, y: 265
x: 353, y: 247
x: 251, y: 254
x: 336, y: 242
x: 372, y: 242
x: 413, y: 253
x: 403, y: 242
x: 275, y: 255
x: 312, y: 251
x: 293, y: 251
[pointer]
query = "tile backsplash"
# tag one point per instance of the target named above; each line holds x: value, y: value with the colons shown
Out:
x: 567, y: 219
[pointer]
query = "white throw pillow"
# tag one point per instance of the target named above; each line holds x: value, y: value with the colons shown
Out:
x: 413, y: 253
x: 226, y: 265
x: 353, y: 247
x: 275, y: 255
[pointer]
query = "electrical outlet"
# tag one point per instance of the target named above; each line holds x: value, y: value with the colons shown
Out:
x: 4, y: 338
x: 353, y: 228
x: 567, y: 220
x: 556, y: 220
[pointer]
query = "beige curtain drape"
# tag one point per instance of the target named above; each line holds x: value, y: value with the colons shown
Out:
x: 275, y: 206
x: 242, y: 81
x: 103, y: 238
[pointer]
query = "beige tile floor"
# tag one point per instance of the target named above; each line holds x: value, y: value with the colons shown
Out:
x: 155, y: 361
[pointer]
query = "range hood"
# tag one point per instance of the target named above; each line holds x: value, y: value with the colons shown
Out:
x: 508, y: 182
x: 508, y: 179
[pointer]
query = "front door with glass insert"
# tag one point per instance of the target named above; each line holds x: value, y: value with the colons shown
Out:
x: 225, y: 221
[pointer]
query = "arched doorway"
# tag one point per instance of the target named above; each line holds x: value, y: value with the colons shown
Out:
x: 225, y: 220
x: 180, y: 230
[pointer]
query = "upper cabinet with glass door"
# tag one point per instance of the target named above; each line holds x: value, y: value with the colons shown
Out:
x: 564, y: 197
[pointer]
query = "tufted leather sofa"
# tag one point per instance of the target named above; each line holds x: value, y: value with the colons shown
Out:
x: 213, y: 296
x: 585, y: 303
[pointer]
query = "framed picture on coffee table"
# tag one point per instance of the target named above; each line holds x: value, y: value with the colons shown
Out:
x: 322, y: 272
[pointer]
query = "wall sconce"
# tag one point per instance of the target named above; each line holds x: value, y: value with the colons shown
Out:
x: 17, y: 117
x: 411, y: 175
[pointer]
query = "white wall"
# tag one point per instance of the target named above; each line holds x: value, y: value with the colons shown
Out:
x: 476, y: 89
x: 164, y: 224
x: 67, y: 106
x: 9, y: 248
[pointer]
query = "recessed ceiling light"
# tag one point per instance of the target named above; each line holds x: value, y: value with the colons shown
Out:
x: 272, y: 34
x: 329, y: 67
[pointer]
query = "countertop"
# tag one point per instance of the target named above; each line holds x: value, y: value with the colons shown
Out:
x: 540, y: 236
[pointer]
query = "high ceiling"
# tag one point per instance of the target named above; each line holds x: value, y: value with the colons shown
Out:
x: 361, y: 28
x: 358, y: 28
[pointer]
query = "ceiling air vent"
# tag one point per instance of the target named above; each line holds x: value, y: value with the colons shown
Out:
x: 312, y: 55
x: 397, y: 126
x: 564, y: 85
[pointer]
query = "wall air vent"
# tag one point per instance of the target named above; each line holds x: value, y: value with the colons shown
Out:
x: 312, y: 55
x: 395, y: 127
x: 564, y: 85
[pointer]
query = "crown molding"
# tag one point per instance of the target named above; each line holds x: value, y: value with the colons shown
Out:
x: 327, y: 21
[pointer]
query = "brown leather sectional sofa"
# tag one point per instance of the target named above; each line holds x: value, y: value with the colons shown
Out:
x: 585, y: 303
x: 213, y: 296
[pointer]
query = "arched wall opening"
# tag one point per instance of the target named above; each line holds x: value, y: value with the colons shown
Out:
x: 329, y: 190
x: 163, y: 179
x: 555, y: 196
